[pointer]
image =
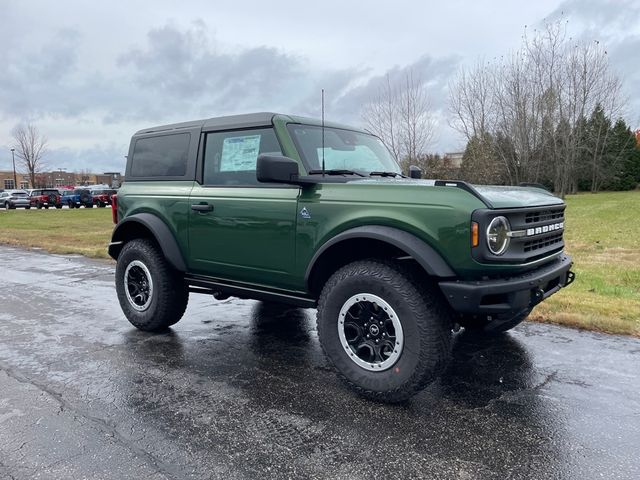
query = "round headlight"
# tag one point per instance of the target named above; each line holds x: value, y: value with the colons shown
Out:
x: 498, y: 235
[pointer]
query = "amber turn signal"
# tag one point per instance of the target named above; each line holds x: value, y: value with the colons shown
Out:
x: 474, y: 234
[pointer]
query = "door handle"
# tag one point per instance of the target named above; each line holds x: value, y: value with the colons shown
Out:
x: 202, y: 207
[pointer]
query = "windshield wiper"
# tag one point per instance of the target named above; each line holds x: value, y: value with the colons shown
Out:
x: 385, y: 174
x: 334, y: 171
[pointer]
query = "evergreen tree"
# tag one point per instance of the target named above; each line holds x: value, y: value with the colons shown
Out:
x: 480, y: 163
x: 624, y: 158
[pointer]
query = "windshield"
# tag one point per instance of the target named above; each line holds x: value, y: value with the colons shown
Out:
x: 343, y: 150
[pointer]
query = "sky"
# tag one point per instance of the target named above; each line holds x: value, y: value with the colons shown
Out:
x: 90, y: 74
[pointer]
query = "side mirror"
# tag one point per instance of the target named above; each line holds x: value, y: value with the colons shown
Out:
x: 415, y: 172
x: 277, y: 169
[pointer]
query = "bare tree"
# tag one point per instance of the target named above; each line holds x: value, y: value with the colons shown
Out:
x: 533, y: 104
x: 30, y: 147
x: 400, y: 114
x: 417, y: 125
x: 381, y: 117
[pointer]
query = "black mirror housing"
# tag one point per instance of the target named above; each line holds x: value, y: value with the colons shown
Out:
x: 277, y: 169
x: 415, y: 172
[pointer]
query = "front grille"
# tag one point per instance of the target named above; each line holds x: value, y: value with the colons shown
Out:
x: 544, y: 216
x: 539, y: 234
x: 543, y: 242
x: 533, y: 247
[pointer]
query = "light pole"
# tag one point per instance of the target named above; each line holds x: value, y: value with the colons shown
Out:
x: 15, y: 179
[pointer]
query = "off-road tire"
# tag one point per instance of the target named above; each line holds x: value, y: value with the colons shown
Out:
x: 424, y: 316
x: 72, y: 205
x: 38, y: 205
x: 88, y: 205
x: 169, y: 296
x: 59, y: 206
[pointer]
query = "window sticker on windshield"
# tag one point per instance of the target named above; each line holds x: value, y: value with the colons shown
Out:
x: 239, y: 153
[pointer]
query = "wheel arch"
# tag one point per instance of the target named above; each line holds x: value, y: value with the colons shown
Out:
x: 147, y: 225
x: 367, y: 241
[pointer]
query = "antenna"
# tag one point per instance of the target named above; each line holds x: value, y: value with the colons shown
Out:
x: 322, y: 132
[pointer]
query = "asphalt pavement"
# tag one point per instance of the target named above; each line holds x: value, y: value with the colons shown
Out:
x: 240, y: 390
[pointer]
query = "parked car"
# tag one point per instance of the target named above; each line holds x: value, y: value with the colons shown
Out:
x: 77, y: 198
x: 11, y: 199
x: 46, y: 197
x: 102, y: 197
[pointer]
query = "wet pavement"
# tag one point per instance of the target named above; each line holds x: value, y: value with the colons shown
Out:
x: 239, y: 389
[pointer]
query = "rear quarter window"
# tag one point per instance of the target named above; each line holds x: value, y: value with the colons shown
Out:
x: 161, y: 156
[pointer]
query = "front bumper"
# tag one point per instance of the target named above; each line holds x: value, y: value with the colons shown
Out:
x: 510, y: 295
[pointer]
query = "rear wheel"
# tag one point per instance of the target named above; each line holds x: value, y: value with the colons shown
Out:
x: 152, y: 295
x: 59, y: 206
x: 71, y: 205
x: 38, y: 205
x: 387, y: 336
x: 46, y: 207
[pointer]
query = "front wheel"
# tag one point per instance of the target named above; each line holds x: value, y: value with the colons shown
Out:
x: 387, y: 336
x: 152, y: 295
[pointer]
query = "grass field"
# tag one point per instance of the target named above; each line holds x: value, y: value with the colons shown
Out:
x: 86, y: 231
x: 602, y: 235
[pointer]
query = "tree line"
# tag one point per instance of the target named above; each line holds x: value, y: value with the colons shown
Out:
x: 548, y: 113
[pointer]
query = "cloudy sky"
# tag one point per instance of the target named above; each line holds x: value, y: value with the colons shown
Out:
x: 89, y: 74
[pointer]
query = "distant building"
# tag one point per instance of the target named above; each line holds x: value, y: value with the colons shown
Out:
x: 638, y: 137
x: 59, y: 178
x: 7, y: 182
x: 453, y: 159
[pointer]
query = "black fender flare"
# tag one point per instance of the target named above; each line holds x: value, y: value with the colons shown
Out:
x: 418, y: 249
x: 160, y: 231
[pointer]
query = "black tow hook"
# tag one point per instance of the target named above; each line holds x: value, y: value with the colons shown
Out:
x: 537, y: 297
x: 571, y: 276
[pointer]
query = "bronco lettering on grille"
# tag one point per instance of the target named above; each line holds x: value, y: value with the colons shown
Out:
x: 545, y: 229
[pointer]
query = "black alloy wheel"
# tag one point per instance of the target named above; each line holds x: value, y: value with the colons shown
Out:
x: 153, y: 296
x: 386, y: 331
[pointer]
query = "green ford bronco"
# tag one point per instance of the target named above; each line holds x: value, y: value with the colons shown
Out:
x: 283, y: 209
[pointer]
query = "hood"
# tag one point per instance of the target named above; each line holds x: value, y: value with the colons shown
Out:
x: 514, y: 197
x: 493, y: 196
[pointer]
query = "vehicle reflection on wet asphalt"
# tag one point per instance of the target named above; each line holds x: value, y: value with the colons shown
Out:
x: 241, y: 389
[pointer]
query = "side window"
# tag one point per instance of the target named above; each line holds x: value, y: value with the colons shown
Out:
x: 163, y: 156
x: 230, y: 157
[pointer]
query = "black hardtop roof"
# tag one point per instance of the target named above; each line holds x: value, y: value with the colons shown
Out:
x: 230, y: 122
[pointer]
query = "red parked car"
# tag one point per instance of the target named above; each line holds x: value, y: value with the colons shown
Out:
x: 102, y: 197
x: 46, y: 198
